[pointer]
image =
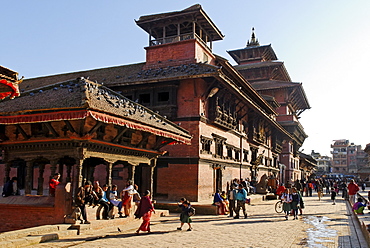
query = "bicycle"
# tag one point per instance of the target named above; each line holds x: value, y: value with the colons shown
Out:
x: 279, y: 207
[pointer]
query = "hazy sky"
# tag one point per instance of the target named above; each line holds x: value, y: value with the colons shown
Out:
x: 324, y: 45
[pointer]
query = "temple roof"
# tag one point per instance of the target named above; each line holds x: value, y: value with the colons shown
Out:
x: 78, y: 98
x: 193, y: 13
x: 296, y: 89
x: 127, y: 75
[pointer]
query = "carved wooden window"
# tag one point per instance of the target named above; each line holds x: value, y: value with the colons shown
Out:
x: 219, y: 145
x: 219, y: 149
x: 144, y: 98
x: 206, y: 145
x: 245, y: 155
x: 229, y: 152
x: 163, y: 96
x: 254, y: 153
x: 237, y: 154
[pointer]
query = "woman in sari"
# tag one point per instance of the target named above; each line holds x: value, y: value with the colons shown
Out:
x: 144, y: 211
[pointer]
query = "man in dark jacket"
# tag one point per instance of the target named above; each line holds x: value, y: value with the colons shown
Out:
x: 83, y: 195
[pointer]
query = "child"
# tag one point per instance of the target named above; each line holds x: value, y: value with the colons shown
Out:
x: 286, y: 197
x: 184, y: 216
x: 295, y: 203
x: 333, y: 194
x: 358, y: 207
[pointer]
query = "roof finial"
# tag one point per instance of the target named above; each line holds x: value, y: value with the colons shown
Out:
x: 254, y: 41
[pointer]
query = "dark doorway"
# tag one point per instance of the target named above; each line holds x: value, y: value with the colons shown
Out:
x: 20, y: 165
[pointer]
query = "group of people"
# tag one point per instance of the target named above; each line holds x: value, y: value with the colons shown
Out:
x: 106, y: 198
x: 292, y: 201
x: 233, y: 201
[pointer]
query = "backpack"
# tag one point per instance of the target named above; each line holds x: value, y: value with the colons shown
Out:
x: 191, y: 211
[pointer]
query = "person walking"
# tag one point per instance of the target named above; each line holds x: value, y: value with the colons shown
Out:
x: 241, y: 197
x: 286, y: 197
x: 185, y: 216
x: 352, y: 191
x: 145, y: 210
x: 295, y: 203
x: 333, y: 194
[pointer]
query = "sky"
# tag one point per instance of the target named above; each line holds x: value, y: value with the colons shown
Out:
x: 325, y: 45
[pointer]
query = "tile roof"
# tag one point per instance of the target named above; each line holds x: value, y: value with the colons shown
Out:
x: 273, y: 84
x: 195, y: 12
x: 84, y: 94
x: 126, y: 75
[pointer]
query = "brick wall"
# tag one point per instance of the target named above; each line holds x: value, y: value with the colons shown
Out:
x: 18, y: 212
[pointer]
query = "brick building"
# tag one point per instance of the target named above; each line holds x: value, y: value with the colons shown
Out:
x: 260, y: 66
x: 241, y: 127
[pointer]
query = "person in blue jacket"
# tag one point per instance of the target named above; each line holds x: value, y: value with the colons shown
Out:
x: 241, y: 197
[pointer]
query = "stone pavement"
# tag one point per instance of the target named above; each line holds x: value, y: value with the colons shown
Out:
x: 321, y: 225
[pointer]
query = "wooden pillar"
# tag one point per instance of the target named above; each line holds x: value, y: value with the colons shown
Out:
x: 164, y: 35
x: 69, y: 169
x: 109, y: 173
x: 79, y: 177
x: 40, y: 180
x: 28, y: 183
x: 153, y: 164
x: 150, y: 37
x: 131, y: 172
x: 53, y: 168
x: 7, y: 172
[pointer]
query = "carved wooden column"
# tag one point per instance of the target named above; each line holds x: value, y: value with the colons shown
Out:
x: 7, y: 172
x: 109, y: 173
x: 53, y: 168
x: 79, y: 177
x: 69, y: 170
x: 40, y: 180
x: 153, y: 164
x: 131, y: 172
x: 28, y: 183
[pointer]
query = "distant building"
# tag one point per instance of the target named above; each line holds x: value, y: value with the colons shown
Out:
x: 340, y: 159
x: 324, y: 163
x: 348, y: 158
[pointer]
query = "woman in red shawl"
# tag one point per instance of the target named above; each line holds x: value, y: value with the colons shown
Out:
x: 145, y: 210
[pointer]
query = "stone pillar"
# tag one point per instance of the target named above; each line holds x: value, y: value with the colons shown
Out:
x: 40, y: 180
x: 109, y: 173
x: 28, y: 183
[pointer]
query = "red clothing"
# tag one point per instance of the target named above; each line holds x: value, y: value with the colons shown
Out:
x: 53, y: 185
x: 280, y: 190
x: 145, y: 226
x: 353, y: 188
